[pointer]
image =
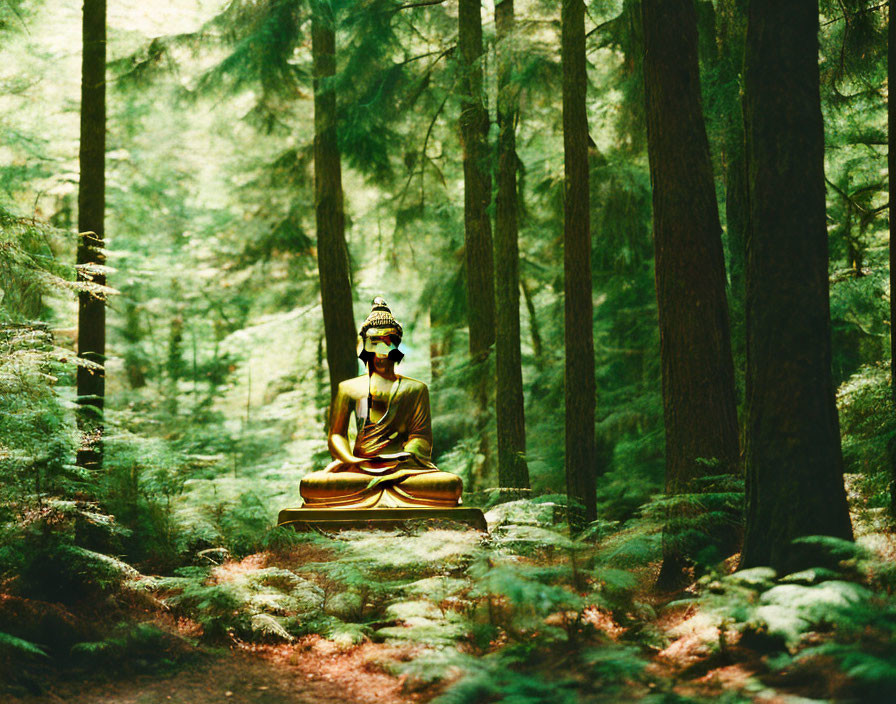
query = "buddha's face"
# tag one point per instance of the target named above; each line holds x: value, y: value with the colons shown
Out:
x: 382, y: 342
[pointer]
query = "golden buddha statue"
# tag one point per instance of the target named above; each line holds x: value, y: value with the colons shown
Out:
x: 390, y: 465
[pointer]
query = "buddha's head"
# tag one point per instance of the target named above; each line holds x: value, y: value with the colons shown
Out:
x: 380, y: 337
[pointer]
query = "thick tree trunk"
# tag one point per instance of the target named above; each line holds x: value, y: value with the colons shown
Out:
x: 794, y: 465
x: 579, y: 334
x: 332, y: 252
x: 698, y: 374
x: 478, y: 253
x: 91, y: 215
x: 513, y: 472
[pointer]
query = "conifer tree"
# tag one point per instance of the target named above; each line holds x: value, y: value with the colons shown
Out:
x: 578, y: 336
x: 478, y: 253
x: 891, y: 170
x: 332, y: 252
x: 91, y: 240
x: 794, y: 467
x: 474, y: 125
x: 698, y: 373
x: 509, y: 412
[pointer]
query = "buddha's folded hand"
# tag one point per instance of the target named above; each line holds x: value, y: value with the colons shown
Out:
x: 395, y: 456
x: 383, y: 464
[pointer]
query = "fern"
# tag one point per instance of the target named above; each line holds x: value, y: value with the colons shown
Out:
x: 11, y: 645
x: 140, y: 646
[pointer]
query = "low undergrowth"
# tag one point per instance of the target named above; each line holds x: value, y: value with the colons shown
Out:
x: 523, y: 615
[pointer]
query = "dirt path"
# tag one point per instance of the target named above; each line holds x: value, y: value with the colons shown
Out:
x: 309, y: 672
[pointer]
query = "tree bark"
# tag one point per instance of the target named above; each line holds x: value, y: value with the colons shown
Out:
x: 891, y: 170
x: 478, y: 252
x: 91, y: 240
x: 794, y: 466
x: 513, y: 472
x: 332, y: 252
x: 699, y: 406
x: 578, y: 306
x: 477, y: 183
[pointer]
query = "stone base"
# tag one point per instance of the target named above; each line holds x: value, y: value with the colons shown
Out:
x: 310, y: 518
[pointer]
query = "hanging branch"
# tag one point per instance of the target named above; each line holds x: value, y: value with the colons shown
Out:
x: 846, y: 16
x: 423, y: 3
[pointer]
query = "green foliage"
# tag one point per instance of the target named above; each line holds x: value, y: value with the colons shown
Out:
x: 143, y: 476
x: 29, y: 270
x: 36, y: 427
x: 853, y: 65
x: 264, y: 604
x: 217, y: 607
x: 362, y: 581
x: 703, y: 523
x: 518, y: 598
x: 17, y: 654
x: 494, y: 681
x: 44, y: 555
x: 859, y: 315
x: 262, y: 37
x: 136, y: 647
x: 217, y: 383
x: 51, y: 543
x: 17, y: 646
x: 524, y: 600
x: 849, y: 598
x: 868, y: 425
x: 520, y: 674
x: 244, y: 526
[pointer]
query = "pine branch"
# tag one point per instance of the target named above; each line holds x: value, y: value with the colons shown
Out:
x: 432, y: 123
x: 423, y: 3
x: 846, y: 16
x: 851, y: 199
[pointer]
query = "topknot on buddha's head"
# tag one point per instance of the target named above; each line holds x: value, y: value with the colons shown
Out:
x: 381, y: 319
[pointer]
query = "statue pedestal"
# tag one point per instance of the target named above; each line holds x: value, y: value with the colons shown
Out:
x: 310, y: 518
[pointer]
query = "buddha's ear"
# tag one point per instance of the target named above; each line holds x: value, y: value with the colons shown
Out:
x: 365, y: 355
x: 396, y: 355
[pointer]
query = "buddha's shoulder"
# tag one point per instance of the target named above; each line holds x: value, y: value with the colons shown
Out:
x: 410, y: 384
x: 354, y: 388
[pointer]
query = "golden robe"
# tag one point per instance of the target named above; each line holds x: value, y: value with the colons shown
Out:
x: 406, y: 426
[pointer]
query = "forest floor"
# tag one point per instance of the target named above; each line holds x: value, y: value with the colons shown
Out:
x: 692, y: 660
x: 315, y: 670
x: 304, y: 673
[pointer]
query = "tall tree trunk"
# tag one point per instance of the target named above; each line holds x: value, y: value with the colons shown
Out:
x: 695, y: 348
x: 513, y: 472
x: 794, y: 466
x: 91, y: 226
x: 332, y: 252
x: 478, y: 252
x: 891, y: 170
x: 579, y: 332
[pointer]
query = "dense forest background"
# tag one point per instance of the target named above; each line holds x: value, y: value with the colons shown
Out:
x: 538, y: 232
